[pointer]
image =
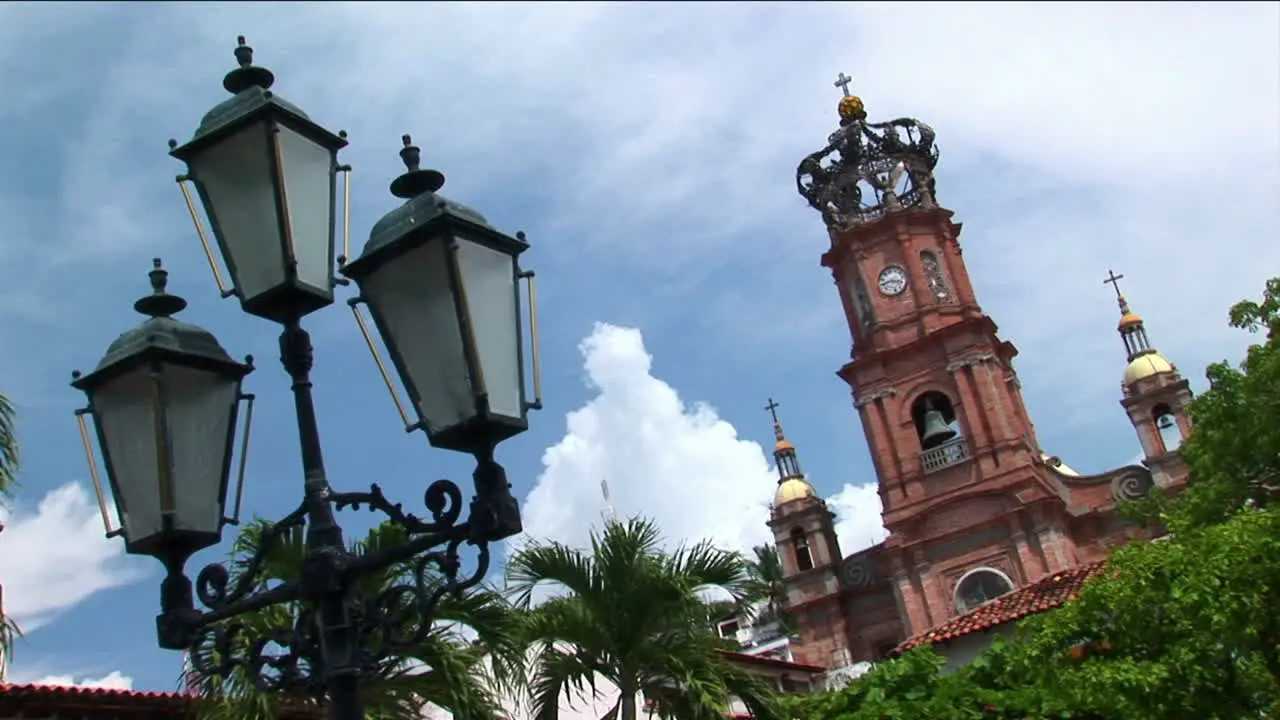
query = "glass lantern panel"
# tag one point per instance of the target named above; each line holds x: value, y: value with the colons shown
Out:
x: 201, y: 408
x: 412, y: 299
x: 240, y: 198
x: 125, y: 410
x: 307, y: 173
x: 488, y: 276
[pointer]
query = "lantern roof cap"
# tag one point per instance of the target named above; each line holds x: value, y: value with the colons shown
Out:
x: 160, y: 331
x: 423, y: 204
x: 250, y: 87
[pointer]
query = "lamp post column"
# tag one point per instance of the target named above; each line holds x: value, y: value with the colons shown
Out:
x: 326, y: 550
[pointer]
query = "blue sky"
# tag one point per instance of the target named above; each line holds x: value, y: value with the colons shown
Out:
x: 649, y: 152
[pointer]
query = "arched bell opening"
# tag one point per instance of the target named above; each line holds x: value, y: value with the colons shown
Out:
x: 804, y: 556
x: 980, y: 586
x: 935, y: 420
x: 1167, y: 427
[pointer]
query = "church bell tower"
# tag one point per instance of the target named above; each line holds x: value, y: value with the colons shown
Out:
x: 1155, y: 396
x: 805, y: 535
x: 967, y: 499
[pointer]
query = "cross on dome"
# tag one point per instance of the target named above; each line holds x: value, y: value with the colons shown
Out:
x: 772, y: 409
x: 1114, y: 281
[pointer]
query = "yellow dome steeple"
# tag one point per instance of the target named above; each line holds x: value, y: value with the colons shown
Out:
x: 791, y: 483
x: 1144, y: 360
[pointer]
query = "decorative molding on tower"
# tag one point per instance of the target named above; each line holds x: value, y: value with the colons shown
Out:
x: 874, y: 395
x: 970, y: 361
x: 869, y: 170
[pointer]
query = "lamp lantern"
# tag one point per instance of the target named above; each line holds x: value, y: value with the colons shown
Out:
x: 266, y: 175
x: 443, y: 288
x: 164, y: 401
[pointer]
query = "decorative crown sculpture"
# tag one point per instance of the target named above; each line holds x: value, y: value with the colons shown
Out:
x: 868, y: 170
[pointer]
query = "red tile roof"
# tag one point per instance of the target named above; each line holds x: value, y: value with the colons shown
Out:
x: 67, y: 697
x: 1045, y: 594
x: 15, y: 698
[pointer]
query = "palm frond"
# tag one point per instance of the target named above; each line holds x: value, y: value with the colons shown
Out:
x: 10, y: 457
x: 636, y: 615
x: 552, y: 564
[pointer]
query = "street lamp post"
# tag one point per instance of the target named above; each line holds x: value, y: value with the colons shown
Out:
x: 443, y: 288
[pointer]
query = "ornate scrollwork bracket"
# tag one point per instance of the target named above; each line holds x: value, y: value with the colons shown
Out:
x: 386, y: 623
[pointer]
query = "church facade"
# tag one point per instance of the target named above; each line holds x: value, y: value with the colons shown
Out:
x: 978, y: 515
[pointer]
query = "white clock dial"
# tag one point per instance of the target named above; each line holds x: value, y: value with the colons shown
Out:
x: 893, y: 280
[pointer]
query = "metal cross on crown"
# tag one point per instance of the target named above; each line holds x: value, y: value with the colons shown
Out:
x: 842, y: 82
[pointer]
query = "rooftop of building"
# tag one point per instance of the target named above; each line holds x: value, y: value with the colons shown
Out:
x: 1046, y: 594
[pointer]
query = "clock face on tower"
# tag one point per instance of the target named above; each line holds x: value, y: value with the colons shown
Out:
x: 893, y: 280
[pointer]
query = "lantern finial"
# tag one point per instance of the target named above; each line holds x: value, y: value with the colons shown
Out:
x: 247, y: 75
x: 159, y: 303
x: 415, y: 181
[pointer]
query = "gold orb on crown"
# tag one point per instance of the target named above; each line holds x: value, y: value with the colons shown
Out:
x: 851, y: 109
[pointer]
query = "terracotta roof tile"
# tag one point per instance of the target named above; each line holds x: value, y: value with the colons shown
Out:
x: 65, y: 695
x: 69, y: 697
x: 1044, y: 594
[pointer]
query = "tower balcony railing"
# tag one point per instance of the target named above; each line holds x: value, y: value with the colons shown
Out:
x: 951, y: 452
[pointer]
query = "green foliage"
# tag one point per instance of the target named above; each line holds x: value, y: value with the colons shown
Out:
x: 766, y: 583
x: 447, y: 669
x: 9, y: 462
x: 914, y: 687
x: 10, y: 458
x: 1234, y: 450
x: 634, y: 615
x: 1184, y: 628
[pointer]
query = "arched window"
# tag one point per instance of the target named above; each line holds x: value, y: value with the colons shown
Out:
x: 804, y: 557
x: 980, y: 586
x: 935, y: 280
x: 1167, y: 427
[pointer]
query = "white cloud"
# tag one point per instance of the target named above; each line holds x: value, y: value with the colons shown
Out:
x: 54, y: 556
x: 114, y: 680
x: 677, y: 463
x: 859, y: 524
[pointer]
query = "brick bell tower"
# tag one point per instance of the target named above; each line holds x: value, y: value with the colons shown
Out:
x: 1155, y: 396
x: 968, y: 502
x: 805, y: 535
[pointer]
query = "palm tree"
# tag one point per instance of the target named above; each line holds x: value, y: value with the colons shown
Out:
x: 448, y: 668
x: 767, y: 584
x: 9, y: 461
x: 635, y: 616
x: 9, y: 458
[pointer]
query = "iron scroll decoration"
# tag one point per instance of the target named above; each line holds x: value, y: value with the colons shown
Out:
x: 388, y: 623
x: 869, y: 169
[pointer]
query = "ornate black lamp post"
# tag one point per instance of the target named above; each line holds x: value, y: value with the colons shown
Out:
x: 443, y: 289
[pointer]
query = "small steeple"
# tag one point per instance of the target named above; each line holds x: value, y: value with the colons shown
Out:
x: 1132, y: 331
x: 1144, y: 360
x: 784, y: 453
x: 791, y: 482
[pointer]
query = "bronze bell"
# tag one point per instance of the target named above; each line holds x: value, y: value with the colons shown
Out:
x: 1165, y: 422
x: 935, y: 431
